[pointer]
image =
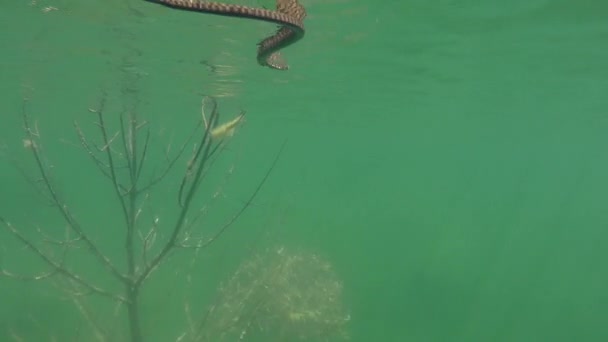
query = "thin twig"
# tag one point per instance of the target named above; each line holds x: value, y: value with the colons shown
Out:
x: 205, y: 144
x: 101, y: 165
x: 57, y: 267
x: 246, y: 205
x: 143, y: 156
x: 70, y: 220
x: 170, y: 163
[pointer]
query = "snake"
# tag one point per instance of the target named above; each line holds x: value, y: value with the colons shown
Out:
x: 289, y: 15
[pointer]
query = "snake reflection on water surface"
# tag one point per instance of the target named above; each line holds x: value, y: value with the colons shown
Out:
x: 289, y: 15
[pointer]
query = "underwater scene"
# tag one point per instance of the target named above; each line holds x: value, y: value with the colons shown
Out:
x: 303, y: 170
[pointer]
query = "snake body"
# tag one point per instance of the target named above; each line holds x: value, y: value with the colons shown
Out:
x: 289, y: 16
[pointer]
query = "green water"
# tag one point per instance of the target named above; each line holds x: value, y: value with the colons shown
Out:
x: 449, y: 158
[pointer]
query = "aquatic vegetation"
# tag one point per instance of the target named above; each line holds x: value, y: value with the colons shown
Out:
x: 277, y: 295
x: 121, y: 154
x: 105, y: 268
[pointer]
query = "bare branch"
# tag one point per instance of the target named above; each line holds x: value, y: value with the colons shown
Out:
x: 197, y: 164
x: 143, y: 155
x: 32, y: 135
x: 67, y: 242
x: 98, y: 332
x: 120, y: 152
x: 129, y: 146
x: 170, y: 163
x: 202, y: 211
x: 148, y: 240
x: 247, y: 203
x: 36, y: 277
x: 112, y: 169
x: 101, y: 165
x: 197, y: 161
x: 57, y: 267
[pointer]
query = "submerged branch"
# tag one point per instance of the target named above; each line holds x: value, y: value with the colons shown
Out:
x: 121, y: 157
x: 33, y: 138
x: 58, y: 268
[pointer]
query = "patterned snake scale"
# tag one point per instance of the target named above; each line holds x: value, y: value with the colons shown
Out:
x: 289, y: 15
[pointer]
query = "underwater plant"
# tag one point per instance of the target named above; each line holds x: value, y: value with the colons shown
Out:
x: 277, y: 295
x: 121, y: 154
x: 274, y: 295
x: 147, y: 220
